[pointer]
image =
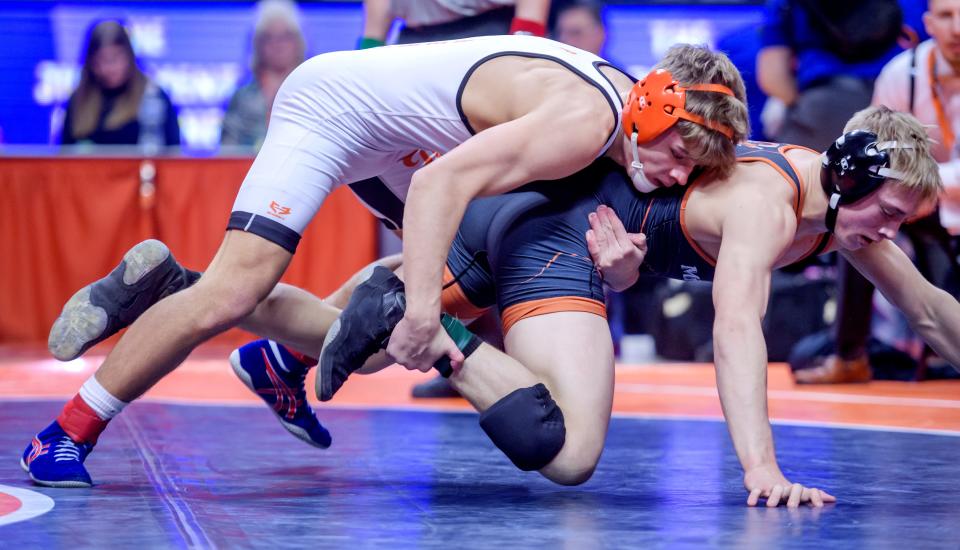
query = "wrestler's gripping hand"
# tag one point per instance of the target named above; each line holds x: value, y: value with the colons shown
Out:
x: 418, y: 345
x: 768, y: 482
x: 616, y: 253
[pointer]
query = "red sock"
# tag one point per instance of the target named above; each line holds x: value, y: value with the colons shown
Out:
x: 80, y: 421
x: 305, y: 359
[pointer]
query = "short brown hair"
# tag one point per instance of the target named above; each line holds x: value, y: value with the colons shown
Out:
x: 921, y: 171
x: 690, y: 64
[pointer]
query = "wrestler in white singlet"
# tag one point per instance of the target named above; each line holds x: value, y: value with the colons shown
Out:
x: 345, y: 117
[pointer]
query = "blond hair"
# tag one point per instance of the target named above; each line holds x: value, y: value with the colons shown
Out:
x: 912, y: 158
x: 690, y: 64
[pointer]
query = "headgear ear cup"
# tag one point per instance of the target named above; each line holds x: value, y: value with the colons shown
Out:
x: 852, y: 166
x: 657, y: 102
x: 855, y: 165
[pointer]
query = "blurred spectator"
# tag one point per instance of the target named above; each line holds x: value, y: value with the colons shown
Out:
x: 580, y: 24
x: 820, y: 58
x: 924, y: 81
x: 742, y: 46
x: 115, y: 102
x: 432, y: 20
x: 278, y: 47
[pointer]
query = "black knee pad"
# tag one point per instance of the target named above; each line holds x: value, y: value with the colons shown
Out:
x: 527, y: 426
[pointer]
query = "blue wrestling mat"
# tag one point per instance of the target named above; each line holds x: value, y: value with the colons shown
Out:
x: 185, y: 476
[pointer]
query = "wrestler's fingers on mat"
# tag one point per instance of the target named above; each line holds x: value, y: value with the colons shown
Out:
x: 773, y: 500
x: 813, y: 496
x: 796, y: 491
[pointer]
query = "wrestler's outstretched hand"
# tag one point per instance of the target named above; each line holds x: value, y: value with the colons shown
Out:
x: 768, y: 482
x: 419, y: 347
x: 616, y: 253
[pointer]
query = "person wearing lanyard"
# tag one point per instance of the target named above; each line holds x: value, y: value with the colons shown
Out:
x: 923, y: 81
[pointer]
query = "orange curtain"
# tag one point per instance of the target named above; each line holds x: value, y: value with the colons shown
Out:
x: 66, y: 222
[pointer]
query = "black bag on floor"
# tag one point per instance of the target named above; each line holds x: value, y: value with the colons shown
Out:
x: 684, y: 319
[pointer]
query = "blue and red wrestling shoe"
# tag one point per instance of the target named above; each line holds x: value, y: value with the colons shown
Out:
x: 54, y: 460
x: 276, y: 375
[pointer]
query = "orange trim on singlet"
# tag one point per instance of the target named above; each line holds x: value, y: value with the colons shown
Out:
x: 786, y: 177
x: 559, y: 304
x: 802, y: 192
x: 683, y: 225
x: 454, y: 302
x: 800, y: 195
x: 799, y: 198
x: 545, y: 267
x: 554, y: 259
x: 810, y: 251
x: 645, y: 214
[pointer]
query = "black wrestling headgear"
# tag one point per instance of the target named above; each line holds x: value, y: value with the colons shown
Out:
x: 855, y: 165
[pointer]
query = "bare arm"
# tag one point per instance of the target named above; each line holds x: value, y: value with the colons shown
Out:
x: 494, y: 161
x: 754, y: 235
x: 933, y: 313
x: 376, y: 19
x: 775, y: 73
x: 532, y: 10
x: 740, y: 292
x: 548, y: 143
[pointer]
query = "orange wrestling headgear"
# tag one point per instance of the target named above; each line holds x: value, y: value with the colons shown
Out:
x: 658, y: 101
x: 654, y: 105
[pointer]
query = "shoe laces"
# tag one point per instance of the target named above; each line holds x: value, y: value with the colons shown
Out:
x: 292, y: 399
x: 66, y: 451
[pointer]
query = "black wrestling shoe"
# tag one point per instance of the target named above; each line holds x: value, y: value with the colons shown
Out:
x: 97, y: 311
x: 364, y: 327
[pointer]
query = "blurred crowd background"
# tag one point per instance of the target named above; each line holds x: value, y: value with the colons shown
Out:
x: 201, y: 53
x: 196, y: 79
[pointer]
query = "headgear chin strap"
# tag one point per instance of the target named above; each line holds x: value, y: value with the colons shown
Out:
x: 654, y: 105
x: 640, y: 181
x: 855, y: 165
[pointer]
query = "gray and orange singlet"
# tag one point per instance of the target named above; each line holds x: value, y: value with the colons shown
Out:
x: 526, y: 251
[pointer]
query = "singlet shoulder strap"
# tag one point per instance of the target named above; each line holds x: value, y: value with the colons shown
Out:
x: 773, y: 154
